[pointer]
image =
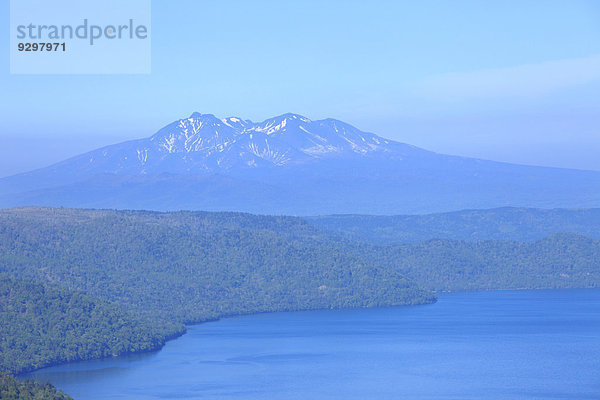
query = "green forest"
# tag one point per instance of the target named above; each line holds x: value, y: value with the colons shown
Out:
x: 84, y: 284
x: 173, y: 269
x: 507, y: 223
x: 14, y: 389
x: 562, y: 260
x: 43, y: 324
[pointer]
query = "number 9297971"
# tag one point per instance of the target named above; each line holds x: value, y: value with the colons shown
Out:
x: 42, y: 47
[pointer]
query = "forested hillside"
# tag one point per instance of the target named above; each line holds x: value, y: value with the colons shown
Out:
x: 191, y: 267
x: 559, y: 261
x: 167, y: 269
x: 509, y: 223
x: 42, y: 324
x: 13, y: 389
x: 78, y: 276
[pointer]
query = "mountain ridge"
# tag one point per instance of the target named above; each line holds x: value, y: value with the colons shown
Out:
x: 290, y: 164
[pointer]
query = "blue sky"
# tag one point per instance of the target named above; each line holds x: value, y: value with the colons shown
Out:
x: 515, y: 81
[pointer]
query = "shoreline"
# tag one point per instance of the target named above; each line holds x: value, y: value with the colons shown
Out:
x: 187, y: 325
x: 23, y: 375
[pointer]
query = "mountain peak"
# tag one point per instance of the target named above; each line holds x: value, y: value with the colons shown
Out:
x: 289, y: 164
x: 203, y: 117
x: 292, y: 116
x: 204, y: 143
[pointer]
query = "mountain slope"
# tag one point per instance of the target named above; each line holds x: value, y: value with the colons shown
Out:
x: 290, y: 165
x: 192, y: 267
x: 204, y: 144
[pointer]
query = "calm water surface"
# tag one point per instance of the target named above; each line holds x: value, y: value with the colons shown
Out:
x: 489, y: 345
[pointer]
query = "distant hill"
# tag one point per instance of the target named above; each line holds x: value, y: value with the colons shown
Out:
x: 562, y: 260
x: 290, y: 165
x: 517, y: 224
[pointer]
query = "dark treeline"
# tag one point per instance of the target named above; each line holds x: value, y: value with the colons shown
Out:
x: 518, y: 224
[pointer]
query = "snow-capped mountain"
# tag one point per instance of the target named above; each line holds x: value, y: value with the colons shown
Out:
x: 282, y: 140
x: 290, y: 165
x: 204, y: 144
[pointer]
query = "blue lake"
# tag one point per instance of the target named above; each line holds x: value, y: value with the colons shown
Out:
x: 485, y: 345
